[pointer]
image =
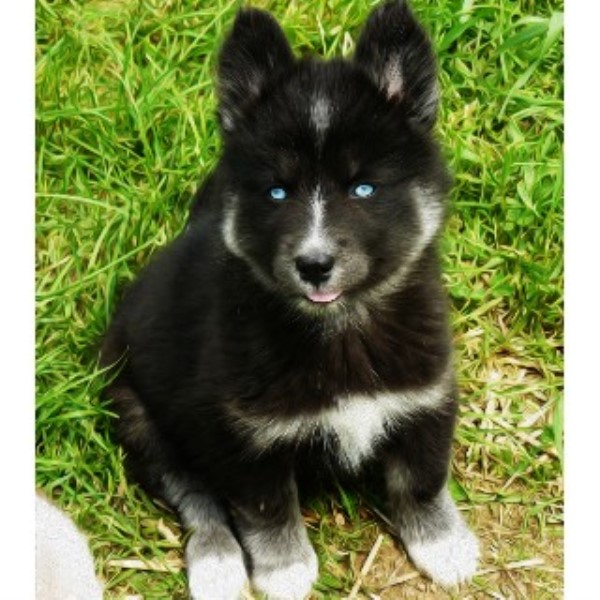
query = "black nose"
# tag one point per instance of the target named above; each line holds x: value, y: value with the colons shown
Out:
x: 315, y: 268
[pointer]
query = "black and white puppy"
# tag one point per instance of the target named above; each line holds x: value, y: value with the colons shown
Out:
x: 299, y: 320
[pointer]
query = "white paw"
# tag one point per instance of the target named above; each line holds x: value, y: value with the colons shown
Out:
x: 288, y: 582
x: 216, y: 576
x: 450, y: 559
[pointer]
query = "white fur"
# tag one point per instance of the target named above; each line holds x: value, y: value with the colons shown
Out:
x: 449, y: 555
x: 292, y: 582
x: 430, y: 212
x: 284, y: 564
x: 215, y: 563
x: 393, y: 80
x: 358, y: 422
x: 215, y: 576
x: 399, y: 479
x: 228, y: 230
x: 448, y: 560
x: 227, y: 120
x: 229, y: 234
x: 196, y: 509
x: 320, y: 115
x: 316, y: 239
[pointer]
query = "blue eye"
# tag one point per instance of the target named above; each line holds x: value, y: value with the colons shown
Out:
x: 362, y: 190
x: 278, y: 193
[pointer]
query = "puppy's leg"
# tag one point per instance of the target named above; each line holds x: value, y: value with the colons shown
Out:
x: 214, y: 558
x: 432, y: 530
x: 215, y: 562
x: 283, y: 563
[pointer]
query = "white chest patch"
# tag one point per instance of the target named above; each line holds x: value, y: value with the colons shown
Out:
x: 353, y: 428
x: 359, y: 423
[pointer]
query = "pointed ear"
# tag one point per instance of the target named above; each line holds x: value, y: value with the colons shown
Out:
x: 255, y: 52
x: 396, y: 53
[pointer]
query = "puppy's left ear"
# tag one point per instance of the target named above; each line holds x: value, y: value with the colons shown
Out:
x: 255, y: 53
x: 396, y: 53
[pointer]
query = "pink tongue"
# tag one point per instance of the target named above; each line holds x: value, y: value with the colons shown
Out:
x: 323, y: 296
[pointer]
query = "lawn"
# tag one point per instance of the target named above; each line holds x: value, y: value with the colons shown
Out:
x: 126, y: 130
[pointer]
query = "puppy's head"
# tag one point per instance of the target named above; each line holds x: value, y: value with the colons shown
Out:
x: 335, y: 186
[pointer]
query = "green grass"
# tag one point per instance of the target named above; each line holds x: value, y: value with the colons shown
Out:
x: 126, y: 130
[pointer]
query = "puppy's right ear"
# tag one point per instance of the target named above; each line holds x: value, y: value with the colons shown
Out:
x: 255, y: 52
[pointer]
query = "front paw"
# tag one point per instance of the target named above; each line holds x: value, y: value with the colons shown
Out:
x: 215, y: 571
x: 450, y: 559
x: 291, y: 581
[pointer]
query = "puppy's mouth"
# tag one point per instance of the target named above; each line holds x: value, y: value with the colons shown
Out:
x: 323, y: 297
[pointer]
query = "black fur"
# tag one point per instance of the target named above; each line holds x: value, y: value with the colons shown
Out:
x: 217, y: 324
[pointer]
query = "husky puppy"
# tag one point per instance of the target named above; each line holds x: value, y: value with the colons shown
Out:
x: 300, y: 316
